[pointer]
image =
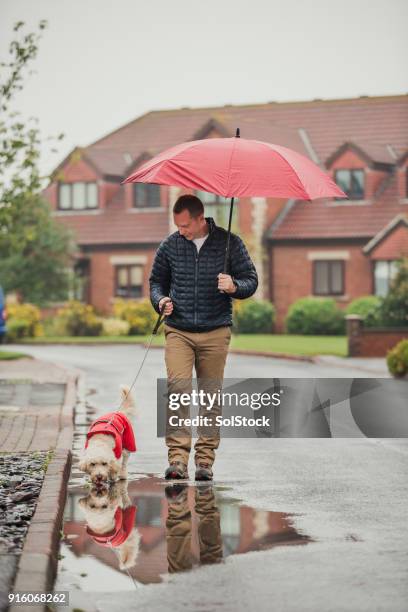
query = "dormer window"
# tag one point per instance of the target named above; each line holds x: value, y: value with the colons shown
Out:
x: 146, y: 195
x: 77, y: 196
x: 351, y: 181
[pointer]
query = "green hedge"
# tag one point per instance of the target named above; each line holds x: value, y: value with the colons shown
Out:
x: 369, y: 307
x: 315, y: 316
x: 253, y: 316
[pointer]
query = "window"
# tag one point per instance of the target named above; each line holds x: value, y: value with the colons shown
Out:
x: 218, y: 208
x: 129, y: 281
x: 146, y: 195
x: 351, y: 182
x: 328, y: 277
x: 384, y: 272
x: 77, y: 196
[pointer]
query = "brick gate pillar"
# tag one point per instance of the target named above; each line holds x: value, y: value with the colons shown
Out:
x: 354, y: 328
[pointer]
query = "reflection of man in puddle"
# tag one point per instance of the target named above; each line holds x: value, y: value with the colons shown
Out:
x: 178, y: 527
x: 110, y: 518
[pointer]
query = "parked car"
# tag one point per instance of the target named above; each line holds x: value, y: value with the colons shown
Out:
x: 3, y: 315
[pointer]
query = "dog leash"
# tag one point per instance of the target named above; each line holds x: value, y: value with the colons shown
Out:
x: 154, y: 333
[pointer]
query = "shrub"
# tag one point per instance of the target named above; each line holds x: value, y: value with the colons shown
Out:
x: 17, y: 329
x: 53, y: 326
x: 367, y: 306
x: 77, y: 319
x: 253, y: 316
x: 115, y: 327
x: 23, y: 321
x: 315, y: 316
x: 394, y: 307
x: 140, y: 315
x: 397, y: 359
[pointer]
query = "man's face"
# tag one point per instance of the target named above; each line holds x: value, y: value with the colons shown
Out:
x: 188, y: 226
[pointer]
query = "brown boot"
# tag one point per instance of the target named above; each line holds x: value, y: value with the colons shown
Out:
x: 177, y: 470
x: 203, y: 471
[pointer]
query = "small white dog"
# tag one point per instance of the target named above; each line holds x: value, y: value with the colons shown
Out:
x: 110, y: 518
x: 110, y: 440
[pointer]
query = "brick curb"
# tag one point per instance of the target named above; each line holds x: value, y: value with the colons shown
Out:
x: 37, y: 567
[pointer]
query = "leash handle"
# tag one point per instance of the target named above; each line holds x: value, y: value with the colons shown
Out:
x: 161, y: 317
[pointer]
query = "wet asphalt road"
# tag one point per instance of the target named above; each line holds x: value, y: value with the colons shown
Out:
x: 348, y: 495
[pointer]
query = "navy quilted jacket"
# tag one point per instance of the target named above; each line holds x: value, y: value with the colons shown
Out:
x: 190, y: 279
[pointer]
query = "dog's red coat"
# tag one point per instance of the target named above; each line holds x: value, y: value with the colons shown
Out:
x: 124, y: 523
x: 114, y: 424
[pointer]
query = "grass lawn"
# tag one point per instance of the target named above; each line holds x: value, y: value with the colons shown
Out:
x: 294, y: 345
x: 11, y: 355
x: 271, y: 343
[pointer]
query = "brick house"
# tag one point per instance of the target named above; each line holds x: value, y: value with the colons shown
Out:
x: 341, y: 248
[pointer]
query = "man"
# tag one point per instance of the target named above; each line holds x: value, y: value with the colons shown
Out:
x: 187, y: 281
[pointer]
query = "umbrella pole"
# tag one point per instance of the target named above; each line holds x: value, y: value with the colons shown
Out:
x: 228, y: 238
x: 237, y: 135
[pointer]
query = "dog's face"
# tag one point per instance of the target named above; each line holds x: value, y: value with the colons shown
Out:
x: 100, y: 469
x: 99, y: 508
x: 99, y: 500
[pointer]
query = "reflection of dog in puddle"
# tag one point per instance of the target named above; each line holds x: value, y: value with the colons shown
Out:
x: 109, y: 442
x: 110, y: 518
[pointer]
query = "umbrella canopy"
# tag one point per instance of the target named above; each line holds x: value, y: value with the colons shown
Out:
x: 238, y: 167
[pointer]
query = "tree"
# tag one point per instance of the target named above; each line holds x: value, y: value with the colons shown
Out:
x: 34, y: 249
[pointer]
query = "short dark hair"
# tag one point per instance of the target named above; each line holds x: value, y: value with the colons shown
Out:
x: 191, y: 203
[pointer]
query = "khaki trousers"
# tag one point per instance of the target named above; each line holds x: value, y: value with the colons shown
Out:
x: 207, y: 352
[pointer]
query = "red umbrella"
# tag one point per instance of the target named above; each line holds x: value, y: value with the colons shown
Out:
x: 237, y: 167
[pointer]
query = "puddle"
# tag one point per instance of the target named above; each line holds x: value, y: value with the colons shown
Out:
x: 139, y: 531
x: 158, y: 529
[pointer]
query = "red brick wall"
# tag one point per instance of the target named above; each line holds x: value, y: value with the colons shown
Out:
x: 77, y: 169
x: 291, y: 273
x: 106, y: 192
x: 393, y: 246
x: 376, y: 343
x: 102, y: 276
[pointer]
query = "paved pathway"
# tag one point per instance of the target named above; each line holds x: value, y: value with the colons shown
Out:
x: 32, y: 395
x: 36, y: 408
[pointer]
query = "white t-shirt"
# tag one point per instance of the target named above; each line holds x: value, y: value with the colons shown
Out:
x: 199, y: 242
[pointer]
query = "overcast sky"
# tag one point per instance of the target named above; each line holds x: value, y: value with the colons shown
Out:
x: 102, y: 62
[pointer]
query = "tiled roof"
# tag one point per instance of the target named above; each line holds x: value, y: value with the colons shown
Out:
x: 371, y: 123
x: 115, y: 225
x: 341, y: 219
